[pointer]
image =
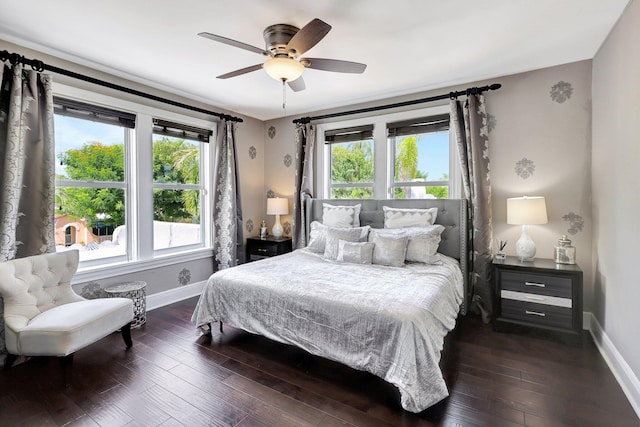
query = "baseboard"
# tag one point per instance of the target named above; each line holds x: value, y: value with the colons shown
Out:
x: 161, y: 299
x: 621, y: 370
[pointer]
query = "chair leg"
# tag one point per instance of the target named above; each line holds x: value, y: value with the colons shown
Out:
x: 126, y: 334
x: 9, y: 360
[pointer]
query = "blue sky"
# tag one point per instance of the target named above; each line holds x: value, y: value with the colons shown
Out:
x: 433, y: 154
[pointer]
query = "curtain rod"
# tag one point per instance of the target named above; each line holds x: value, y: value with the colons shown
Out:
x: 40, y: 66
x: 452, y: 95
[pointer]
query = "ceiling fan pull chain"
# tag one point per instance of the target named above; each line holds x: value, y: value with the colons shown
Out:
x: 284, y: 94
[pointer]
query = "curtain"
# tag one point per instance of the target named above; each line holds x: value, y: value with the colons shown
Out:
x: 305, y: 138
x: 27, y: 172
x: 470, y: 123
x: 227, y: 207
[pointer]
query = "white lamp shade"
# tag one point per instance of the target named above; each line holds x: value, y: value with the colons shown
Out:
x: 526, y: 210
x: 277, y: 206
x: 283, y: 68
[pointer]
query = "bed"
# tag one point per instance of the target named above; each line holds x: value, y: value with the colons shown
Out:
x: 389, y: 321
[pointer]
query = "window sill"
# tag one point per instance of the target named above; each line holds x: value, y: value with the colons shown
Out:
x: 117, y: 269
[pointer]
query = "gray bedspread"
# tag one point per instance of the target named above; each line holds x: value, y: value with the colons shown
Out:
x: 385, y: 320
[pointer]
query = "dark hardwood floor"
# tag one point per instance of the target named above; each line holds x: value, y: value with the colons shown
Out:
x: 173, y: 377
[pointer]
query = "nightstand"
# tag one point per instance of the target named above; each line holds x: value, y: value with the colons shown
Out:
x: 538, y: 295
x: 258, y: 248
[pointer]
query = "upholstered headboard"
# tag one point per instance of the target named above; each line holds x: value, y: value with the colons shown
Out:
x: 452, y: 214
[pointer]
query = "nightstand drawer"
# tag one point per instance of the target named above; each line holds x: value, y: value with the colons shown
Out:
x: 536, y: 298
x: 264, y: 248
x: 536, y: 284
x: 538, y: 314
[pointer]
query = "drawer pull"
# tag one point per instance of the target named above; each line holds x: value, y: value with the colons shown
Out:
x: 540, y: 285
x: 262, y: 250
x: 534, y: 298
x: 535, y: 313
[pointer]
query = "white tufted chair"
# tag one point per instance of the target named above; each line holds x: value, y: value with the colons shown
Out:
x: 43, y: 315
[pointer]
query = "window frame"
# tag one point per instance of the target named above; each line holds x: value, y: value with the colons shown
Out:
x: 139, y: 189
x: 383, y: 154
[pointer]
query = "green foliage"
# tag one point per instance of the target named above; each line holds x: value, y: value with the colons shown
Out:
x: 352, y: 163
x: 174, y: 161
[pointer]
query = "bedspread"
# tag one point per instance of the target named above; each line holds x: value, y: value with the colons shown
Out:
x: 389, y: 321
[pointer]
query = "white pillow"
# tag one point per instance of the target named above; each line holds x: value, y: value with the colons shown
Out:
x: 400, y: 217
x: 423, y: 241
x: 355, y: 252
x: 341, y: 216
x: 317, y: 236
x: 335, y: 234
x: 389, y: 250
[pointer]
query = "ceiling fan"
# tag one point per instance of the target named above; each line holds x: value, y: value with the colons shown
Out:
x: 284, y: 46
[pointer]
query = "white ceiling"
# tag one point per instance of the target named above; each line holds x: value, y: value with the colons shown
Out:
x: 409, y: 45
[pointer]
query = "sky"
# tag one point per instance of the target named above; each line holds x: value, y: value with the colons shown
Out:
x: 433, y: 154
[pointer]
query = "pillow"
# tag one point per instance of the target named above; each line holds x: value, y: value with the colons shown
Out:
x: 423, y: 241
x: 317, y: 237
x: 341, y: 216
x: 335, y: 234
x: 355, y: 252
x: 398, y: 218
x: 389, y: 250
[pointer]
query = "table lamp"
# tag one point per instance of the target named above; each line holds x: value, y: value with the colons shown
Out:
x: 277, y: 206
x: 526, y: 211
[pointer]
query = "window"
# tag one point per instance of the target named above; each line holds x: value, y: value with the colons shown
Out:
x: 399, y: 155
x: 420, y: 149
x: 177, y: 184
x: 129, y: 187
x: 91, y: 178
x: 351, y: 162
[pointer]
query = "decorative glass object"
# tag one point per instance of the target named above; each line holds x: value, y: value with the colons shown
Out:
x: 263, y: 229
x: 564, y: 253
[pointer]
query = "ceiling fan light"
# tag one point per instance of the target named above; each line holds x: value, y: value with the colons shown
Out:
x: 283, y: 69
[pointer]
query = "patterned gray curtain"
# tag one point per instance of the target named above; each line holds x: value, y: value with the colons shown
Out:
x: 305, y: 141
x: 27, y: 177
x: 227, y: 207
x: 472, y: 136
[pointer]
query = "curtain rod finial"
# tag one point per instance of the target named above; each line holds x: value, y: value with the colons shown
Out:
x: 495, y: 86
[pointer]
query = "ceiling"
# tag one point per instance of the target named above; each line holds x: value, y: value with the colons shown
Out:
x: 408, y: 45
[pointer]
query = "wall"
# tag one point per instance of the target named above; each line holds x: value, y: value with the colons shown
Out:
x: 170, y: 273
x: 616, y: 199
x: 540, y: 144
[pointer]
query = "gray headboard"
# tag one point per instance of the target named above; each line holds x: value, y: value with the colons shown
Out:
x: 452, y: 214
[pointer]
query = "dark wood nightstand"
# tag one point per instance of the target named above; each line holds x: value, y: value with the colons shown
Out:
x: 258, y: 248
x: 538, y: 295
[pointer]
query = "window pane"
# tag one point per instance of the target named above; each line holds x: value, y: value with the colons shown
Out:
x: 352, y: 162
x: 422, y: 157
x: 428, y: 192
x: 175, y: 160
x: 352, y: 193
x: 88, y: 150
x: 176, y: 215
x: 90, y: 220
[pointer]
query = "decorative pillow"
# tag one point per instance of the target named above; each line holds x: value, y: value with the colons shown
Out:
x: 389, y: 250
x: 317, y: 236
x: 334, y: 235
x: 355, y: 252
x: 399, y: 218
x: 341, y: 216
x: 423, y: 241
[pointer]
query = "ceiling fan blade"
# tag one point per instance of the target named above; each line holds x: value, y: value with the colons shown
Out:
x: 234, y: 43
x: 334, y: 65
x: 297, y: 85
x: 308, y: 36
x: 240, y: 71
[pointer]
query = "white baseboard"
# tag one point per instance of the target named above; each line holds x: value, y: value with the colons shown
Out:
x: 174, y: 295
x: 621, y: 370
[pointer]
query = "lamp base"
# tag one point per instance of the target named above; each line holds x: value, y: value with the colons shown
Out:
x: 525, y: 246
x: 277, y: 229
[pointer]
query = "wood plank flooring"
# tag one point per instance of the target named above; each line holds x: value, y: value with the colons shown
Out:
x: 172, y: 377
